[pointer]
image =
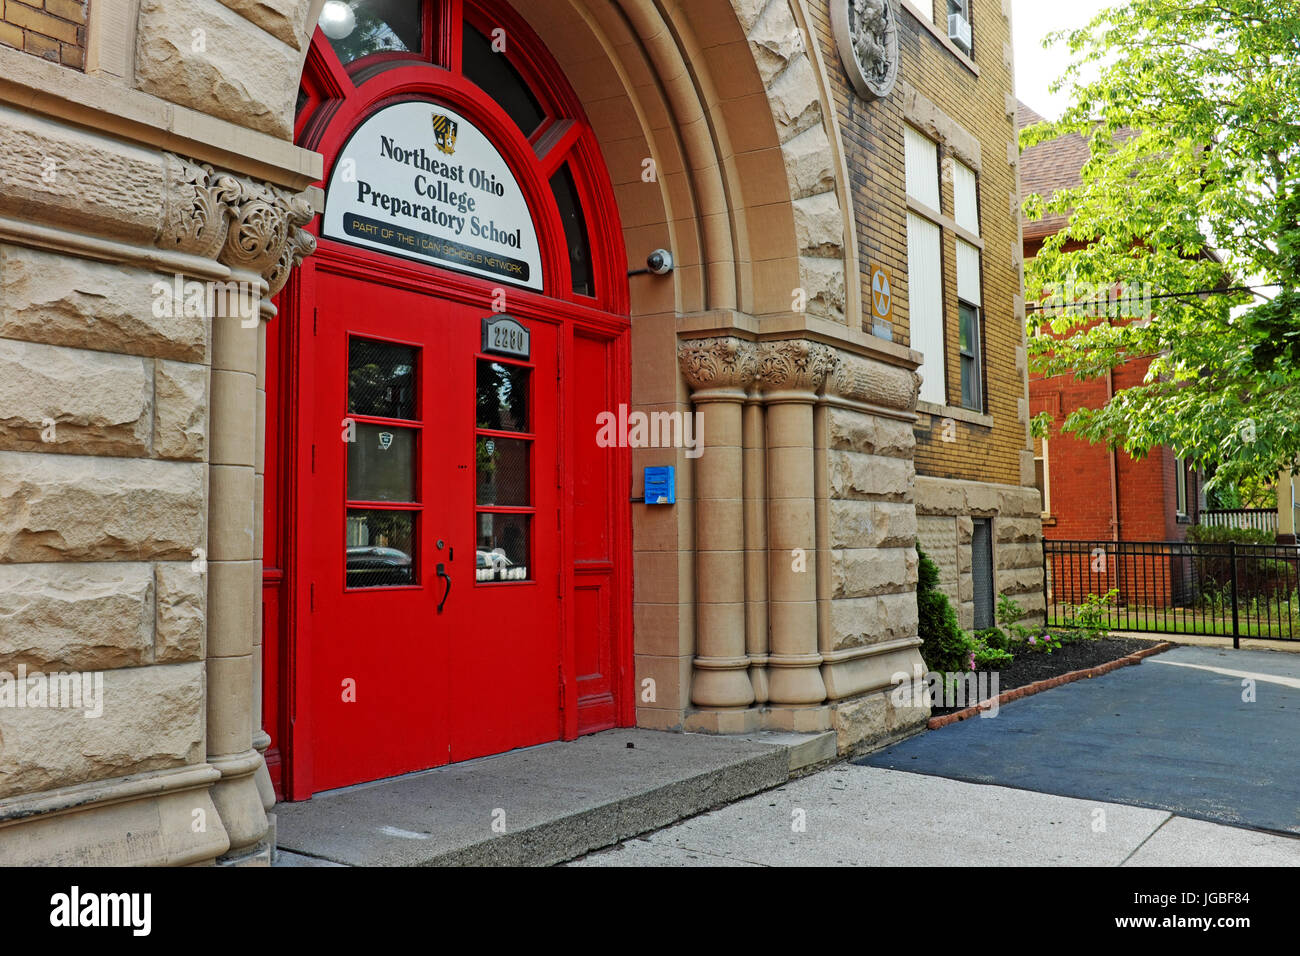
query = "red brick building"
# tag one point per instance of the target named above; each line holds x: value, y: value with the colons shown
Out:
x: 1091, y: 493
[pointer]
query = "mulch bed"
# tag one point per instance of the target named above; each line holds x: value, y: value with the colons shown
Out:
x: 1033, y: 672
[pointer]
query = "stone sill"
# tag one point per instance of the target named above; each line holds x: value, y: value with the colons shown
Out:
x: 956, y: 414
x: 942, y: 37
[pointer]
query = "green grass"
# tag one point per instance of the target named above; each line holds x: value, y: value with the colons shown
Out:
x: 1214, y: 622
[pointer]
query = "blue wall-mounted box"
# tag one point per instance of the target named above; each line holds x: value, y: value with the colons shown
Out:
x: 660, y: 486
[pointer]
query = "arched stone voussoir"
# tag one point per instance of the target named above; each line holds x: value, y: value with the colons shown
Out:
x: 802, y: 117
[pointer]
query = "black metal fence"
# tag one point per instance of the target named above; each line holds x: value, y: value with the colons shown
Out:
x: 1257, y: 519
x: 1174, y: 587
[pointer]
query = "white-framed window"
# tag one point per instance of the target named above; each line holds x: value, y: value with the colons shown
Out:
x: 968, y: 333
x: 921, y: 159
x: 925, y: 264
x: 969, y: 304
x: 1180, y: 486
x: 925, y: 298
x: 1043, y: 474
x: 965, y: 198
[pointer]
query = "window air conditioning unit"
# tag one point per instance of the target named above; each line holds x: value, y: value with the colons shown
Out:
x: 959, y: 30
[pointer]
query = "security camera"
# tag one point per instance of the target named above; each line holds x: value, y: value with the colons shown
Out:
x: 660, y: 262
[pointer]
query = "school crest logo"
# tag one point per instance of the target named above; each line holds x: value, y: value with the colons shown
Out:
x: 385, y: 440
x: 444, y: 133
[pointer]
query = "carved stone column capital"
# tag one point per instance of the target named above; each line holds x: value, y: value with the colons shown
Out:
x: 795, y: 365
x: 259, y: 228
x: 246, y: 225
x: 726, y: 362
x: 196, y: 210
x: 300, y: 244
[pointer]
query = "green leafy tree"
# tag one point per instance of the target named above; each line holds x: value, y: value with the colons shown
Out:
x: 1192, y: 112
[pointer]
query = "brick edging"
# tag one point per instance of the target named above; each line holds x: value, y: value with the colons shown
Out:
x: 1037, y: 687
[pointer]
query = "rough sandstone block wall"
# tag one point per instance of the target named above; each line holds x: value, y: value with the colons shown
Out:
x: 945, y: 522
x: 103, y: 439
x: 871, y: 622
x: 52, y: 29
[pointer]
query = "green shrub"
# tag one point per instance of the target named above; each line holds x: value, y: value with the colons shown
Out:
x: 989, y: 656
x: 1259, y: 575
x: 1205, y: 534
x: 945, y: 647
x: 1009, y: 614
x: 995, y: 638
x: 1090, y: 618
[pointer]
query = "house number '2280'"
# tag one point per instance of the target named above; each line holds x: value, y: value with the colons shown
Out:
x: 505, y: 336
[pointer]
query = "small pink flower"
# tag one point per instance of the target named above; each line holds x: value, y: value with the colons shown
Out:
x: 1032, y: 639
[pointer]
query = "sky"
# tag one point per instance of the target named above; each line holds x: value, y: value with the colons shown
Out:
x: 1036, y: 68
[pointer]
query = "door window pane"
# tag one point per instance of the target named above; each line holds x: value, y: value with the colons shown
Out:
x: 503, y: 547
x: 381, y: 464
x: 503, y: 472
x: 380, y: 548
x: 381, y: 379
x: 575, y: 230
x: 494, y: 75
x: 358, y: 28
x: 502, y: 397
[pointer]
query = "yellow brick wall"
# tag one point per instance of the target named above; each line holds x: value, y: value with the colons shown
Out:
x: 873, y: 140
x: 51, y: 29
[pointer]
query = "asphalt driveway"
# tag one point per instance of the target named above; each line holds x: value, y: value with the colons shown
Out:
x: 1172, y: 733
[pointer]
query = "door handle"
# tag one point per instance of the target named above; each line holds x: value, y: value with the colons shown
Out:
x: 442, y: 573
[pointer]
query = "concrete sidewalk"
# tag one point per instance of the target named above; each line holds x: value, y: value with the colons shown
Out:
x: 540, y: 805
x: 851, y: 815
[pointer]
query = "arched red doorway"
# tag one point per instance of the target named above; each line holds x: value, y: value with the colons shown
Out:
x: 447, y: 550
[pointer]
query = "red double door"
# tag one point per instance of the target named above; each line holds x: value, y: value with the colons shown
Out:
x: 437, y: 594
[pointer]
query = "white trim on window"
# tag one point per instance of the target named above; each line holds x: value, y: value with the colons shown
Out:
x: 968, y: 273
x: 925, y: 301
x: 921, y: 160
x: 966, y: 209
x: 1180, y: 487
x: 1046, y: 486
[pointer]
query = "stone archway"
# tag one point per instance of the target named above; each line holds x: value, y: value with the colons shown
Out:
x: 172, y: 167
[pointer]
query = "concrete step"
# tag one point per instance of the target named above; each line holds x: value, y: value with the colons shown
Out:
x: 540, y: 805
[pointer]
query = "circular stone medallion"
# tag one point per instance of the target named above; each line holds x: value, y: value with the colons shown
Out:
x: 866, y: 32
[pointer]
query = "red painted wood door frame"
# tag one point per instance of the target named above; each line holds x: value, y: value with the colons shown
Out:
x: 594, y: 552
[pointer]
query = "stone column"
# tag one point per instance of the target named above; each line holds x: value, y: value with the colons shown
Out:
x: 719, y: 370
x: 791, y: 372
x: 261, y: 739
x: 263, y: 244
x: 755, y: 458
